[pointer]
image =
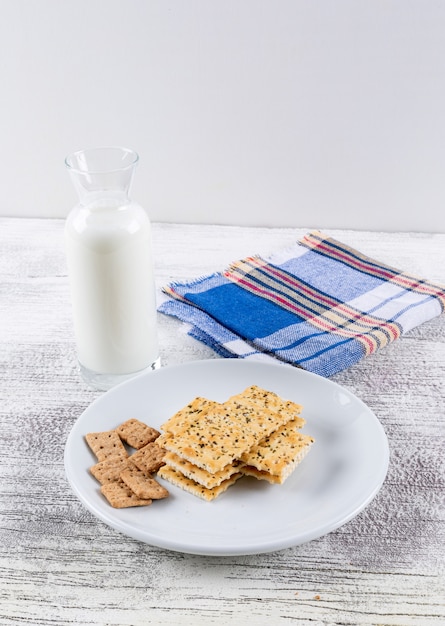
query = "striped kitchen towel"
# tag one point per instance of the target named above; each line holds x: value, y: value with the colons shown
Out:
x: 320, y: 305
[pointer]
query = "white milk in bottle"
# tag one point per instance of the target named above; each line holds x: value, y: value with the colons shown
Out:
x: 109, y: 257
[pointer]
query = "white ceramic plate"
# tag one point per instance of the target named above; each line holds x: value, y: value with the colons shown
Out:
x: 338, y: 478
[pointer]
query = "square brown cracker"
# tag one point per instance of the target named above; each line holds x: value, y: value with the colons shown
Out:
x: 199, y: 475
x: 137, y: 434
x: 143, y: 486
x: 108, y: 471
x: 179, y: 480
x: 149, y: 458
x: 120, y: 496
x: 106, y: 444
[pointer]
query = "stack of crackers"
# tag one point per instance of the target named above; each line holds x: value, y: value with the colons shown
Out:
x: 126, y: 478
x: 211, y: 445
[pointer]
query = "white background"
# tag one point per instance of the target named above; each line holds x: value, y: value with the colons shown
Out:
x: 260, y: 112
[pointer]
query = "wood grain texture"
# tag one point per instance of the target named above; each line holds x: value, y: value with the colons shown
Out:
x: 59, y: 565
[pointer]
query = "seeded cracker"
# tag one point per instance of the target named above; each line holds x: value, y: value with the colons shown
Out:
x: 268, y: 399
x: 120, y: 496
x: 205, y: 442
x: 137, y: 434
x: 162, y: 439
x: 179, y: 480
x: 275, y: 479
x: 211, y: 443
x: 219, y: 434
x: 199, y: 475
x: 262, y: 411
x: 143, y: 486
x: 252, y: 419
x: 198, y: 408
x: 276, y: 456
x: 106, y: 445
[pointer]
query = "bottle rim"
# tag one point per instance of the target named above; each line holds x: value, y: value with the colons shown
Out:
x: 88, y: 161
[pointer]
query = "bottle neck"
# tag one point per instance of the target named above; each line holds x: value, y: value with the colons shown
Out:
x: 104, y: 200
x: 102, y: 176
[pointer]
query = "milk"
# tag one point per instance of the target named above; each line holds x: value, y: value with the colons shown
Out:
x: 109, y: 258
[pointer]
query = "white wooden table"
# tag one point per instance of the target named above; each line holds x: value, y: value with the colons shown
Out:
x: 60, y: 565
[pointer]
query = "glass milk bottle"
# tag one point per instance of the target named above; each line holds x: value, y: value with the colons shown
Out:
x: 109, y: 256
